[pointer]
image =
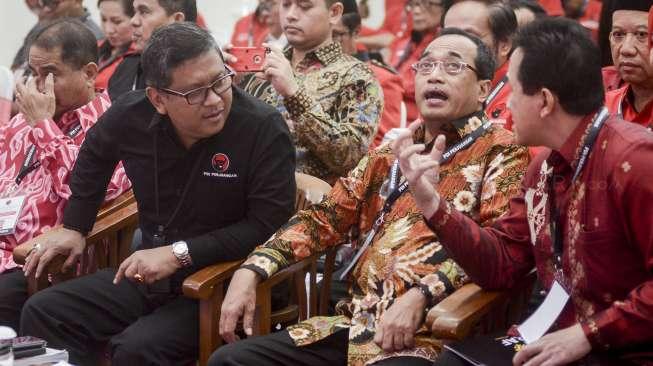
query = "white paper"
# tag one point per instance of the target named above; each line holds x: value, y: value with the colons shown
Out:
x: 541, y: 320
x: 51, y: 355
x: 9, y: 213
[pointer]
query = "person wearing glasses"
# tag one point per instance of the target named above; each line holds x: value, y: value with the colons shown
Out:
x: 400, y: 269
x: 404, y: 52
x: 212, y: 170
x: 629, y: 44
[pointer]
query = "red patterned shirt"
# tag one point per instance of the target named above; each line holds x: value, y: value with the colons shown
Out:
x: 46, y: 188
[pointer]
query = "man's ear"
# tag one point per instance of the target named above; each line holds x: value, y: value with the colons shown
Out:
x: 335, y: 13
x: 503, y: 50
x: 156, y: 99
x: 484, y: 87
x: 178, y: 17
x: 549, y: 103
x: 90, y: 71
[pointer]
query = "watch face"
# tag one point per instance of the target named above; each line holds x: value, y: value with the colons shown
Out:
x: 179, y: 248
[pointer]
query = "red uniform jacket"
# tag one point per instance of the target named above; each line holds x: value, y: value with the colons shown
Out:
x: 619, y: 103
x: 393, y: 92
x: 249, y: 32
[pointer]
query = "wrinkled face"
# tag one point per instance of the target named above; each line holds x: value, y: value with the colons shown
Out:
x: 629, y: 43
x: 70, y: 86
x: 473, y: 18
x: 444, y: 97
x: 426, y: 14
x: 307, y: 23
x: 347, y: 40
x: 197, y: 121
x: 115, y: 23
x: 525, y: 109
x: 59, y: 9
x: 148, y: 17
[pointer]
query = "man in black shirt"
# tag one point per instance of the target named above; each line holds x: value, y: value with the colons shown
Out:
x: 149, y: 15
x: 212, y: 170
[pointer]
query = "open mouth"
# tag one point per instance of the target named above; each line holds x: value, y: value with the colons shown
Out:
x: 435, y: 95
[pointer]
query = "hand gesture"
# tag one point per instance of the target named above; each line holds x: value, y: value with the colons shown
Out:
x: 558, y: 348
x: 55, y: 242
x: 397, y: 327
x: 420, y: 170
x: 148, y: 265
x: 34, y: 104
x: 278, y: 71
x: 239, y: 301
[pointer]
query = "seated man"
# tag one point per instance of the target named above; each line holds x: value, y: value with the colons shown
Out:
x: 57, y: 105
x: 402, y: 270
x: 213, y: 174
x: 330, y: 100
x: 629, y: 43
x: 583, y: 217
x: 148, y: 16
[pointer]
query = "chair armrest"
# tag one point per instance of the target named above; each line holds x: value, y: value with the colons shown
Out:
x: 200, y: 284
x: 456, y: 315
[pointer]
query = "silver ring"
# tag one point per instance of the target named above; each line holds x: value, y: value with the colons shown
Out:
x: 37, y: 247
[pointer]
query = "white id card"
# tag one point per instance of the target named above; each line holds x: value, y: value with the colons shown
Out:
x: 541, y: 320
x: 10, y: 208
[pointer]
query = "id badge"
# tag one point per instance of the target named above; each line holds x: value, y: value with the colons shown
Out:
x: 542, y: 319
x: 10, y: 209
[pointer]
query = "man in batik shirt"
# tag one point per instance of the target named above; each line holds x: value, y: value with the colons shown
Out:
x: 55, y: 114
x: 584, y: 212
x: 331, y: 101
x: 404, y: 271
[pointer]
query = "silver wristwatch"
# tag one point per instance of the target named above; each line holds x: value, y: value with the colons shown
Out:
x: 180, y: 251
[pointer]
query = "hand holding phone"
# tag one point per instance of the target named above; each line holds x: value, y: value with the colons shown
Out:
x: 250, y: 59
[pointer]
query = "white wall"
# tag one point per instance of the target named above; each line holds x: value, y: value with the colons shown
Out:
x: 16, y: 20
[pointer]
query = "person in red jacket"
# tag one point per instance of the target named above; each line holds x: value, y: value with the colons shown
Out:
x: 252, y: 29
x: 346, y: 32
x: 397, y: 23
x: 629, y: 44
x: 115, y: 16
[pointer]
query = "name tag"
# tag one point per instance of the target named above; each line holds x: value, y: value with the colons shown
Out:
x: 539, y: 323
x: 9, y: 213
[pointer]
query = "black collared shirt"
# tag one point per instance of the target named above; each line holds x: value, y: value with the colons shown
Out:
x: 241, y: 192
x: 127, y: 77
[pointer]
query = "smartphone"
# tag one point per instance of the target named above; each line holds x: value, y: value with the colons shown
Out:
x: 250, y: 59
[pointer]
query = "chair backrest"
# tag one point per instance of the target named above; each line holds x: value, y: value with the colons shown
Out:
x: 6, y: 94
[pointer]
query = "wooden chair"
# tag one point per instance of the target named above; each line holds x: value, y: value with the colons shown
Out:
x: 115, y: 226
x: 470, y: 310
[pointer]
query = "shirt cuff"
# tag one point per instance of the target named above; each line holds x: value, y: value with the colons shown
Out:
x: 298, y: 103
x: 441, y: 215
x: 44, y: 132
x: 591, y: 331
x: 201, y: 251
x: 79, y: 216
x: 262, y: 263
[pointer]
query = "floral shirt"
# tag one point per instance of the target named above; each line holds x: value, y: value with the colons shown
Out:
x: 334, y: 115
x: 405, y: 252
x: 46, y: 188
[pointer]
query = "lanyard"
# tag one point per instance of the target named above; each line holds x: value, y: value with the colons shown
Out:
x: 29, y: 165
x: 496, y: 90
x: 397, y: 190
x: 554, y: 222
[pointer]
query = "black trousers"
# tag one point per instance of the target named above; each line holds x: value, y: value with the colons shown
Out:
x: 279, y: 349
x: 83, y: 314
x: 13, y: 294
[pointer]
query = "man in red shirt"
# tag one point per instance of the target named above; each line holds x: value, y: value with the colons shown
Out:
x: 583, y: 217
x: 39, y: 146
x: 405, y: 51
x: 495, y: 23
x: 252, y: 29
x: 346, y: 32
x: 629, y: 43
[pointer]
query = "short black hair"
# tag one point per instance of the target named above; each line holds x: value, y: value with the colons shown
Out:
x: 169, y: 47
x: 187, y: 7
x: 531, y: 5
x: 503, y: 21
x: 351, y: 21
x: 127, y: 6
x: 560, y: 55
x: 484, y: 61
x: 77, y: 42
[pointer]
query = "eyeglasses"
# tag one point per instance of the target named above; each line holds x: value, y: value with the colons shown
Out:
x: 618, y: 36
x: 450, y: 67
x: 49, y: 3
x: 199, y: 95
x: 424, y: 4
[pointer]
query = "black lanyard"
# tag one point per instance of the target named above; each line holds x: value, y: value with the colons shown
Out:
x: 397, y: 190
x: 496, y: 90
x: 554, y: 222
x: 29, y: 165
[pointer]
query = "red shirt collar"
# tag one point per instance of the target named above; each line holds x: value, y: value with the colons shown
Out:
x: 500, y: 73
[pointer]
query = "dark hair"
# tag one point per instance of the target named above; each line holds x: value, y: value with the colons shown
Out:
x: 605, y: 23
x: 169, y: 47
x: 503, y: 21
x: 352, y: 21
x: 127, y: 6
x: 531, y: 5
x: 560, y: 55
x: 187, y: 7
x: 484, y: 61
x: 77, y: 42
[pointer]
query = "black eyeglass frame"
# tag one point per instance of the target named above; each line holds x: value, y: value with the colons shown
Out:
x: 186, y: 95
